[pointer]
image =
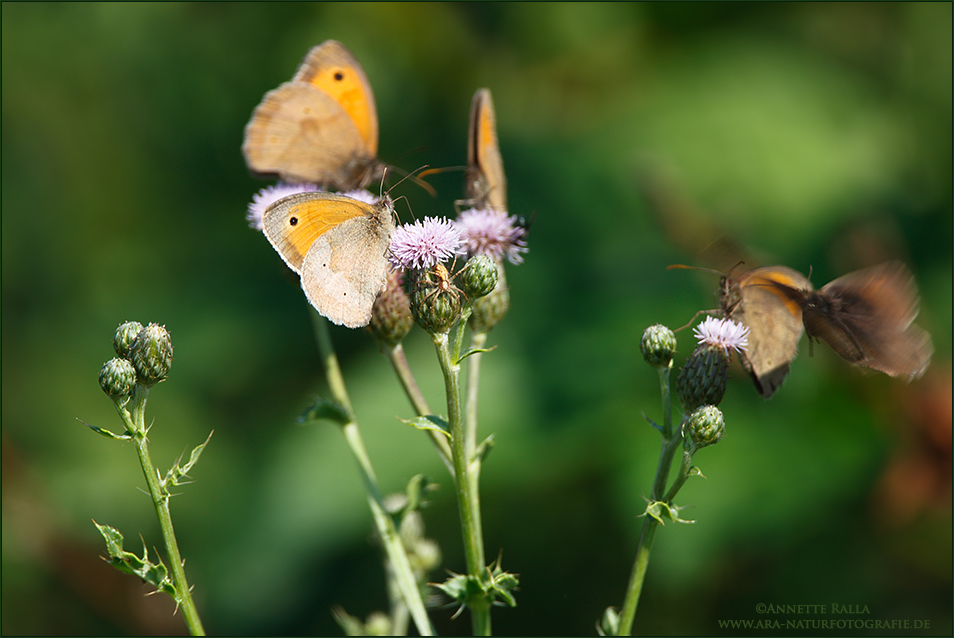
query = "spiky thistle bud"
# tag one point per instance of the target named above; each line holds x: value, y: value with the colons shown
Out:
x: 117, y: 378
x: 391, y: 315
x: 124, y: 336
x: 658, y: 345
x: 705, y: 426
x: 491, y: 308
x: 435, y: 300
x: 479, y: 277
x: 151, y: 354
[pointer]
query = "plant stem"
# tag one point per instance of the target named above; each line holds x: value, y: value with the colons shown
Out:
x: 390, y: 539
x: 468, y: 500
x: 670, y: 443
x: 160, y: 499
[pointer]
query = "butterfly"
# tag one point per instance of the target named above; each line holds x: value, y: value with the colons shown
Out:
x: 485, y: 183
x: 865, y: 316
x: 321, y: 127
x: 339, y: 247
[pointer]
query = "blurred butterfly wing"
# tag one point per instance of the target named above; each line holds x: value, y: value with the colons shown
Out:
x: 321, y: 127
x: 346, y: 268
x: 294, y: 223
x: 301, y: 135
x: 867, y: 318
x: 761, y: 299
x: 331, y: 68
x: 486, y: 183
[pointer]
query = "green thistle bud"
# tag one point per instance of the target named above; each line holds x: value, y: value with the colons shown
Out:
x: 391, y: 315
x: 435, y: 300
x: 151, y: 354
x: 491, y: 308
x: 124, y: 336
x: 658, y: 345
x: 702, y: 380
x: 479, y: 278
x: 705, y: 427
x: 117, y: 378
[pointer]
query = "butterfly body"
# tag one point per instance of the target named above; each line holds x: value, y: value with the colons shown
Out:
x: 759, y: 299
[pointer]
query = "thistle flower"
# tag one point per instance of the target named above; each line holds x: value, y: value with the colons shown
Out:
x: 268, y: 196
x: 424, y: 244
x: 492, y: 233
x: 702, y: 380
x: 722, y: 333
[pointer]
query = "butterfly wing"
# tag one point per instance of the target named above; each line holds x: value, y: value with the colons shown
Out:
x: 867, y: 318
x: 346, y: 268
x: 332, y: 69
x: 761, y: 300
x: 294, y: 223
x: 486, y: 183
x: 321, y: 127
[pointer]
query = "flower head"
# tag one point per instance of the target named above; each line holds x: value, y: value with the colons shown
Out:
x: 722, y: 333
x: 492, y: 233
x: 424, y: 244
x: 268, y: 196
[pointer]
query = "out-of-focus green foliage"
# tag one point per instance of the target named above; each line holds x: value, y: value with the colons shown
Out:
x: 811, y: 134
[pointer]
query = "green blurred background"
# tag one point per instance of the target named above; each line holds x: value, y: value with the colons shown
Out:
x: 814, y: 135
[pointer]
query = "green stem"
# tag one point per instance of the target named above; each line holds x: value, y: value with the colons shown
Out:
x: 160, y: 499
x: 670, y: 443
x: 477, y: 341
x: 468, y: 500
x: 390, y: 539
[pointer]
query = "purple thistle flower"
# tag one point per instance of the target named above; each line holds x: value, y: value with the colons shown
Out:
x: 424, y: 244
x: 268, y: 196
x: 722, y: 333
x: 492, y: 233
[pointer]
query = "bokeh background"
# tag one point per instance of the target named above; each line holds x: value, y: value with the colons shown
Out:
x: 811, y: 134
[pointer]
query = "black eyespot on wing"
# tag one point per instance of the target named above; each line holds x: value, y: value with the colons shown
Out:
x: 292, y: 221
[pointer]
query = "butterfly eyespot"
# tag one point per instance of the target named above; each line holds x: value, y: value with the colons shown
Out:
x: 292, y: 221
x: 339, y: 76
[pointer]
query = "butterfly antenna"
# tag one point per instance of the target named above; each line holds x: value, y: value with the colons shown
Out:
x: 674, y: 266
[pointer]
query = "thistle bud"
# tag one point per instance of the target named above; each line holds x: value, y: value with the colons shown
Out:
x: 706, y: 426
x: 702, y: 380
x: 124, y: 336
x: 658, y: 345
x: 151, y: 354
x: 117, y: 378
x: 391, y: 315
x: 491, y: 308
x: 479, y: 278
x: 435, y: 300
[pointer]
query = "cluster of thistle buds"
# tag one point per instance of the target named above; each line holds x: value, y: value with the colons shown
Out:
x: 702, y: 381
x: 144, y: 358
